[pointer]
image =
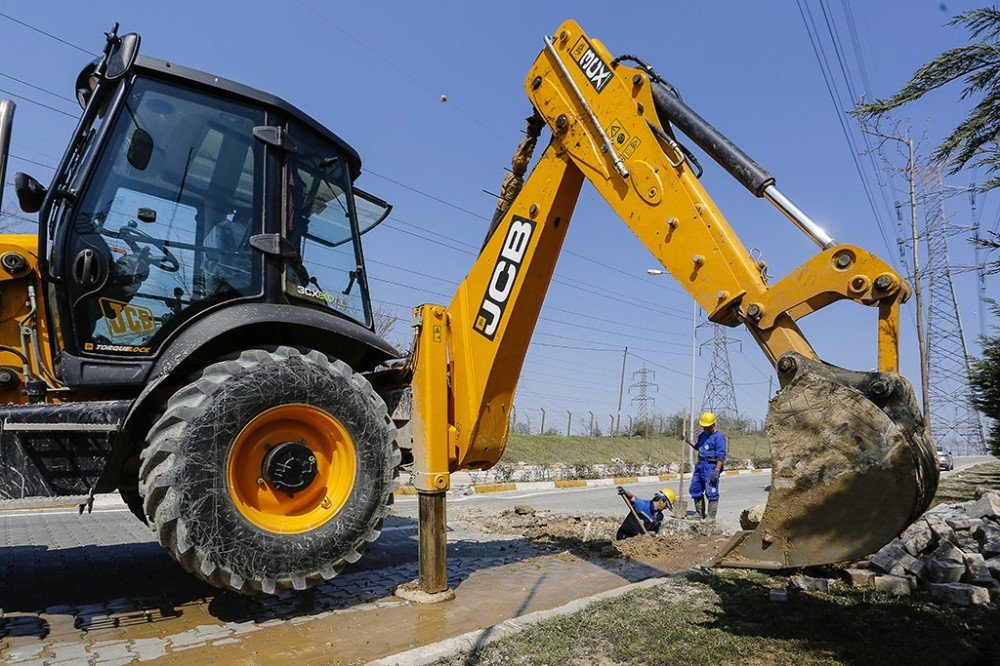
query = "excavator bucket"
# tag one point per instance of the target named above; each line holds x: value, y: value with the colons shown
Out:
x: 852, y: 467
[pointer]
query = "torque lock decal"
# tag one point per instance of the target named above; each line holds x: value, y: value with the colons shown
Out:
x: 504, y: 275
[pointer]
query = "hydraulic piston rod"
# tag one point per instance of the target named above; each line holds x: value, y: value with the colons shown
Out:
x: 741, y: 166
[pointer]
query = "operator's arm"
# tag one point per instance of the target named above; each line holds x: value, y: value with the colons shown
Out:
x: 720, y: 452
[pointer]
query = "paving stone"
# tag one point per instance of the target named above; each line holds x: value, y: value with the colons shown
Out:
x: 889, y: 556
x: 68, y: 653
x: 24, y: 652
x: 859, y: 577
x: 960, y: 594
x: 993, y: 564
x: 778, y: 595
x: 949, y: 552
x: 987, y: 506
x: 809, y: 584
x: 226, y: 641
x: 958, y: 523
x: 147, y: 649
x: 990, y: 548
x: 917, y: 537
x: 943, y: 571
x: 900, y: 586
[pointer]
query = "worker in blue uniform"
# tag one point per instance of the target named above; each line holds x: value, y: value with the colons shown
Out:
x: 650, y: 512
x: 711, y: 448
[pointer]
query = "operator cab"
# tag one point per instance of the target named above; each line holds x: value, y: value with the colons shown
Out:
x: 182, y: 193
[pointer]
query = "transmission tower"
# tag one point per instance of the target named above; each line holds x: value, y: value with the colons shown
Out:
x: 720, y: 392
x: 641, y: 386
x: 955, y: 423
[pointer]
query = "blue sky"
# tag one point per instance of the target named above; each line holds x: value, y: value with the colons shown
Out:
x: 375, y: 72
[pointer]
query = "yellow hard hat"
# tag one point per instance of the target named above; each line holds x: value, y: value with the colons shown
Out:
x: 707, y: 419
x: 671, y: 495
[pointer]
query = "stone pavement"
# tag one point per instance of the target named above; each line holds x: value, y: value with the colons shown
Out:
x: 98, y: 589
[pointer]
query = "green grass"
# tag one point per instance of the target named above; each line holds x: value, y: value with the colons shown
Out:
x: 728, y: 619
x: 551, y: 449
x: 961, y: 486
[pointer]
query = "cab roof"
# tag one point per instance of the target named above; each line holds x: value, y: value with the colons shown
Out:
x: 215, y: 84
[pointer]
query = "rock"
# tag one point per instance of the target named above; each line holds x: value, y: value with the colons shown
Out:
x: 778, y: 595
x: 980, y: 491
x: 990, y: 548
x: 958, y: 523
x: 917, y: 537
x: 987, y: 506
x: 859, y: 577
x: 948, y: 551
x: 940, y: 530
x: 751, y: 516
x: 523, y: 510
x: 976, y: 571
x: 993, y: 564
x: 889, y: 556
x: 810, y: 584
x: 943, y: 571
x: 960, y: 594
x: 900, y: 586
x: 986, y: 531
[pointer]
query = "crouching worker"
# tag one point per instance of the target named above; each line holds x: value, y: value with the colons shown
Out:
x: 649, y: 512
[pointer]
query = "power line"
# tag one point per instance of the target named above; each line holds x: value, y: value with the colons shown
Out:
x: 38, y: 88
x: 36, y: 102
x: 47, y: 34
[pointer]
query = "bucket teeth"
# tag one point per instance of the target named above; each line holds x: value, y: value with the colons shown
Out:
x: 852, y: 467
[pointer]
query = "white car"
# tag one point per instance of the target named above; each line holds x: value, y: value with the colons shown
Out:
x: 945, y: 461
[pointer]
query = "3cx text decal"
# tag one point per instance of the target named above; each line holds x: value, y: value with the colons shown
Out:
x: 595, y: 69
x: 504, y: 275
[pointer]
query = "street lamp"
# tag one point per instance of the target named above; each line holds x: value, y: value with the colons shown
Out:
x: 694, y: 356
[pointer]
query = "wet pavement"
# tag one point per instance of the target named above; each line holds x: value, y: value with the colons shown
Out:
x: 98, y: 589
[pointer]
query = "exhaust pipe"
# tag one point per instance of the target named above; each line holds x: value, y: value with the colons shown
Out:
x: 6, y: 123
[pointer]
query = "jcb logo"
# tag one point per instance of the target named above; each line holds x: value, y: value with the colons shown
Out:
x: 597, y: 72
x: 501, y: 285
x: 125, y: 320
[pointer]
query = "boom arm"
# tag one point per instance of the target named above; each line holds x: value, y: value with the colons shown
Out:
x: 613, y: 126
x: 469, y: 355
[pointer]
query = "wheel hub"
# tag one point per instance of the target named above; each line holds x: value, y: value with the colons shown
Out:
x: 289, y: 466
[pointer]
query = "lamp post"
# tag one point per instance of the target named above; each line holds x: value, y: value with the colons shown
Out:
x: 694, y: 358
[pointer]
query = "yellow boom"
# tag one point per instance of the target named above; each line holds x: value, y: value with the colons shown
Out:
x: 614, y: 126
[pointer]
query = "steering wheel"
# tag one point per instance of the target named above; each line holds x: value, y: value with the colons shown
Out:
x: 134, y: 237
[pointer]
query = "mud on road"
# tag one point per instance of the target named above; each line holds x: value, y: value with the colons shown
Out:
x: 99, y: 589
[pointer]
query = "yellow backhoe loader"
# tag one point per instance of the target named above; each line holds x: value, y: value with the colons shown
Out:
x: 191, y: 325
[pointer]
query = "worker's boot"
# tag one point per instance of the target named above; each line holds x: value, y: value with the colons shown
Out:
x: 713, y: 510
x: 699, y: 507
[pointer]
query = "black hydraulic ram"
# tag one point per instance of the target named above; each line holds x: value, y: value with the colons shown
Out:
x: 672, y: 109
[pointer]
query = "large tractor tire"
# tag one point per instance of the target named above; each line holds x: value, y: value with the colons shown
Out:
x: 270, y: 472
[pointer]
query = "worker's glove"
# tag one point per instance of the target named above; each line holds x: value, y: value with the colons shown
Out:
x: 621, y: 491
x: 715, y: 476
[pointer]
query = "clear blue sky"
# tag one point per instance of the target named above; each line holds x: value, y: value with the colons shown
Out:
x: 374, y: 73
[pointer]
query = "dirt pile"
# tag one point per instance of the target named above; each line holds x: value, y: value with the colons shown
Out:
x: 590, y: 535
x: 953, y: 551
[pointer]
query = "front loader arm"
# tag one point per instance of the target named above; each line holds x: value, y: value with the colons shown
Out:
x: 613, y: 125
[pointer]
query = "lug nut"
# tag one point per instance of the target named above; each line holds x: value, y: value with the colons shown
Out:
x: 260, y: 480
x: 636, y: 80
x: 672, y: 222
x: 561, y: 122
x: 786, y: 364
x: 698, y: 259
x: 883, y: 282
x: 533, y: 210
x: 536, y: 83
x: 843, y: 261
x: 754, y: 311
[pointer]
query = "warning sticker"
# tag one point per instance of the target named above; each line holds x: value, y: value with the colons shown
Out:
x: 616, y: 132
x: 630, y: 148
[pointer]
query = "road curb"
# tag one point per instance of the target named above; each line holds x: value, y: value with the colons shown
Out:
x: 487, y: 488
x: 428, y: 654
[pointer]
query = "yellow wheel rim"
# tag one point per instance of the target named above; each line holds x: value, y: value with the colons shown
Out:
x: 273, y: 509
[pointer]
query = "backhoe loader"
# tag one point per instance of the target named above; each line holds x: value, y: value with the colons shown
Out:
x: 191, y: 325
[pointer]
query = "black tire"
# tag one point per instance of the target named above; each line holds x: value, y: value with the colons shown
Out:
x: 182, y: 476
x: 133, y: 500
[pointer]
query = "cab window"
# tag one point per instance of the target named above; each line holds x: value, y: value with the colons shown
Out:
x: 320, y: 222
x: 163, y: 230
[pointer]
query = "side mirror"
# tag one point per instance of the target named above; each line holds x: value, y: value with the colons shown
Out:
x: 140, y: 149
x: 30, y: 193
x: 122, y: 56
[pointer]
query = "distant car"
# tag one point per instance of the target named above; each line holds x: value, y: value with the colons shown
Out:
x: 945, y: 461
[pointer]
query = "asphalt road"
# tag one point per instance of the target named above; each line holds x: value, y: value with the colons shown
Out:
x: 737, y: 493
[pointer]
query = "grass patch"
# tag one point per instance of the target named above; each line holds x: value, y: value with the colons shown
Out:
x: 728, y: 619
x: 961, y: 486
x: 551, y: 449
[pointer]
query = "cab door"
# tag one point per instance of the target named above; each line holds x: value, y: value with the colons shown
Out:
x: 162, y: 230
